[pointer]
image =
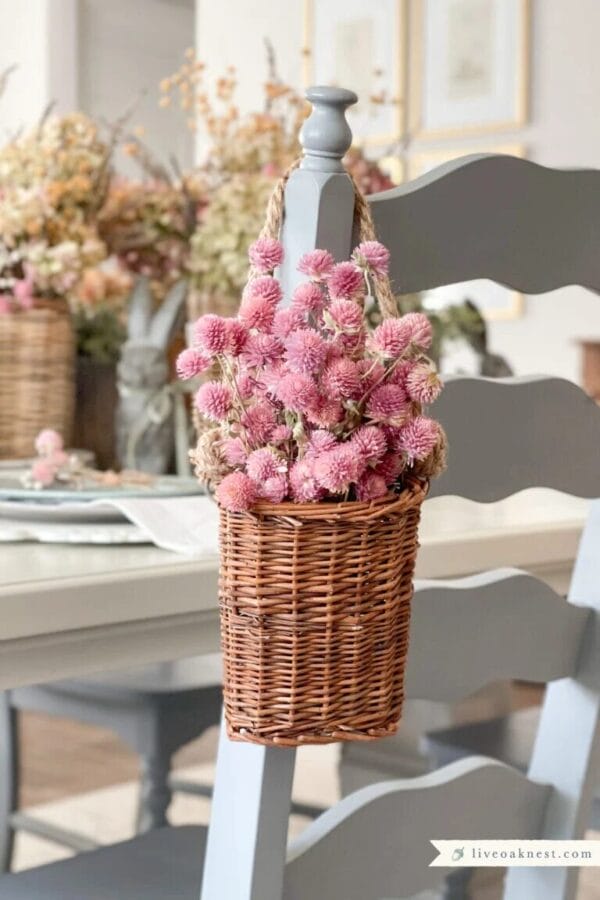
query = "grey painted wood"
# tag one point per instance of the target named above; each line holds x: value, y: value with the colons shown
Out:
x: 245, y: 853
x: 319, y: 197
x: 155, y: 710
x: 497, y: 217
x: 376, y: 842
x: 489, y: 627
x: 162, y: 865
x: 566, y: 752
x: 512, y: 433
x: 9, y: 769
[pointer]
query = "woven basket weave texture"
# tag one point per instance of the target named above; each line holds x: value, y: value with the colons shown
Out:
x: 37, y: 386
x: 315, y: 608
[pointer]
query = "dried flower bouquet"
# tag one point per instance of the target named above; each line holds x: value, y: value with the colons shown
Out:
x: 311, y: 406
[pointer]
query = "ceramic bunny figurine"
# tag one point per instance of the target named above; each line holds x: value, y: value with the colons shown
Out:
x: 144, y: 418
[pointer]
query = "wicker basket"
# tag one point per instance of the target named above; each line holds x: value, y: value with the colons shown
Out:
x: 315, y: 607
x: 37, y: 355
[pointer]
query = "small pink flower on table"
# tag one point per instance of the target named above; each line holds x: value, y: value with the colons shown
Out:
x: 43, y: 472
x: 48, y: 442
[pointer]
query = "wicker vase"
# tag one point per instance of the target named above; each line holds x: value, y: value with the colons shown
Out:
x: 315, y: 606
x: 37, y: 356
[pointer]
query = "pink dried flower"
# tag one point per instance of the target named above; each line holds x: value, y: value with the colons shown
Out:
x: 280, y: 434
x: 266, y: 254
x: 211, y: 334
x: 317, y: 264
x: 423, y: 384
x: 307, y: 298
x: 320, y: 441
x: 260, y: 350
x: 190, y: 363
x: 297, y: 392
x: 371, y: 371
x: 370, y: 442
x: 285, y: 321
x: 304, y: 487
x: 391, y: 338
x: 259, y: 422
x: 419, y: 328
x: 262, y: 464
x: 390, y: 467
x: 48, y: 441
x: 246, y: 385
x: 256, y: 312
x: 305, y: 350
x: 234, y: 452
x: 237, y: 335
x: 388, y: 403
x: 400, y: 372
x: 346, y: 315
x: 372, y: 255
x: 236, y: 492
x: 371, y: 486
x: 43, y: 472
x: 341, y: 378
x: 213, y: 400
x: 345, y: 281
x: 337, y: 469
x: 274, y: 489
x: 264, y: 286
x: 326, y: 412
x: 419, y: 437
x: 271, y: 375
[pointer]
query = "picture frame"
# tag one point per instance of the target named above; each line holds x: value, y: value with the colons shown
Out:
x: 362, y: 47
x: 496, y: 302
x: 469, y: 66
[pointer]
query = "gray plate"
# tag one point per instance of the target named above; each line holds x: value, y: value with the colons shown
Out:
x: 164, y: 486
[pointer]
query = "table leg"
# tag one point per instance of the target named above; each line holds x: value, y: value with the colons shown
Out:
x: 247, y: 839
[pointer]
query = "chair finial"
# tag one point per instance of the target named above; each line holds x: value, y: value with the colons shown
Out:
x: 326, y: 135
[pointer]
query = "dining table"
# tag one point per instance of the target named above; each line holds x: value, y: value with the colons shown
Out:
x: 69, y: 609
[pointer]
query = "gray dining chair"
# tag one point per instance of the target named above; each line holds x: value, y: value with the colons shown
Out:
x: 534, y: 229
x: 155, y: 710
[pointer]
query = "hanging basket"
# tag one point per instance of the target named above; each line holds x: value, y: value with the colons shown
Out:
x: 315, y: 599
x: 315, y: 608
x: 37, y: 356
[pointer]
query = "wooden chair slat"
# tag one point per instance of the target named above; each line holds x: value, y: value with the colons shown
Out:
x: 489, y: 627
x: 393, y: 824
x: 491, y: 216
x: 509, y: 434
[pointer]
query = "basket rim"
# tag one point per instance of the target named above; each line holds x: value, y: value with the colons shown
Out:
x: 413, y: 494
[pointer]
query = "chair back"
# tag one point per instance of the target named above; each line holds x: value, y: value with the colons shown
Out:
x: 534, y: 229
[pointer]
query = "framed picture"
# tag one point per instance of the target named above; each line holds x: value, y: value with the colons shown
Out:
x: 468, y: 67
x: 361, y: 46
x: 495, y: 301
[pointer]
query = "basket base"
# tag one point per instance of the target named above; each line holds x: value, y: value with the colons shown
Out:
x: 303, y: 740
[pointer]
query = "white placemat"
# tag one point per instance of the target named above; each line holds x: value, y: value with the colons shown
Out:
x: 186, y: 525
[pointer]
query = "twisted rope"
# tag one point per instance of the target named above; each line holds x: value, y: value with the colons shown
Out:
x: 363, y: 225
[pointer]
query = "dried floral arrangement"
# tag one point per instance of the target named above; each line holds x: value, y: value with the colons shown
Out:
x: 53, y: 181
x: 311, y: 406
x: 244, y: 156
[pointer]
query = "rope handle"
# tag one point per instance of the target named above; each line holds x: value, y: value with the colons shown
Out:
x: 363, y: 224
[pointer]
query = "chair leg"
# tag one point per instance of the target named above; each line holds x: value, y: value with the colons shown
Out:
x: 9, y: 775
x: 155, y: 793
